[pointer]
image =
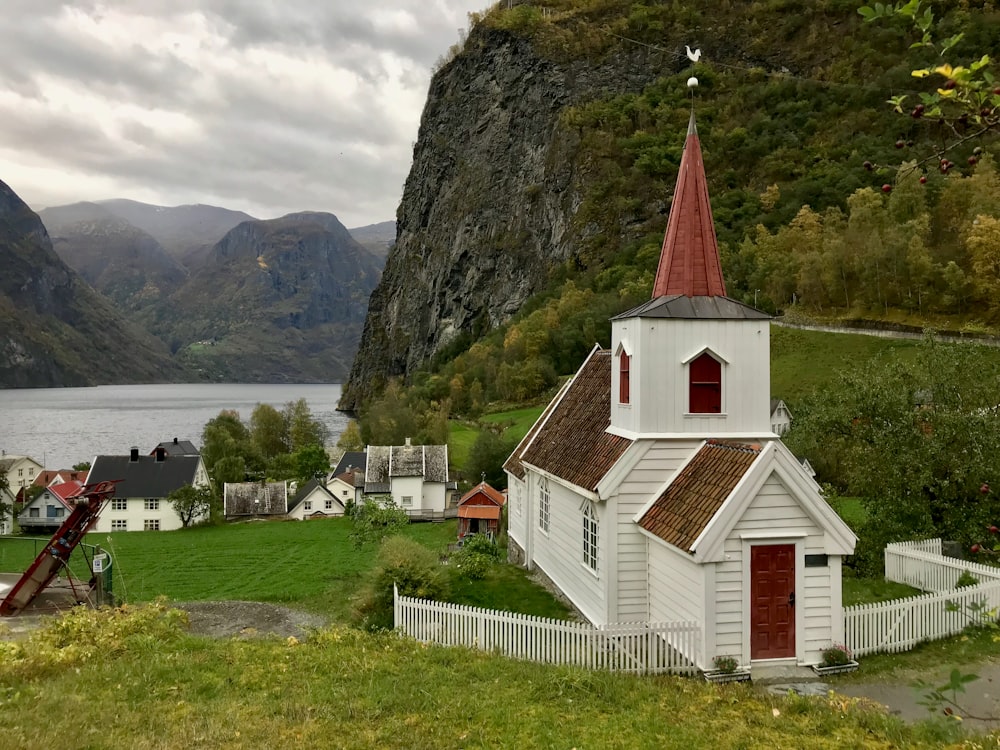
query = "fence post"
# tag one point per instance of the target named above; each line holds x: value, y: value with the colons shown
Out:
x: 395, y: 606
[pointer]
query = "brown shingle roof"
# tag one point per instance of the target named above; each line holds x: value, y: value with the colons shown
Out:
x: 685, y: 508
x: 572, y: 444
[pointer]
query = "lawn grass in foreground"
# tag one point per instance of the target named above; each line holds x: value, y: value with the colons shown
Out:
x: 347, y: 689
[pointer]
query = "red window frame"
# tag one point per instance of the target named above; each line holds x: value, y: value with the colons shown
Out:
x: 624, y: 364
x: 705, y: 380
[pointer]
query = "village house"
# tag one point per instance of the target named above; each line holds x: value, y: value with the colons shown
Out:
x: 315, y: 500
x: 348, y: 487
x: 781, y: 417
x: 480, y: 511
x: 21, y: 472
x: 50, y: 509
x: 140, y: 500
x: 415, y: 477
x: 653, y: 488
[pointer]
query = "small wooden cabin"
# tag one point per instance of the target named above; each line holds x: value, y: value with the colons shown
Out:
x: 479, y: 511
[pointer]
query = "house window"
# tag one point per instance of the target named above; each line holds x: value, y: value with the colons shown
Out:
x: 53, y: 511
x: 543, y: 504
x: 119, y: 524
x: 119, y: 503
x: 33, y: 513
x: 152, y: 503
x: 344, y: 493
x: 31, y: 471
x: 20, y: 472
x: 623, y: 382
x: 308, y: 505
x: 705, y: 375
x: 590, y: 536
x: 328, y: 504
x: 407, y: 500
x: 151, y: 524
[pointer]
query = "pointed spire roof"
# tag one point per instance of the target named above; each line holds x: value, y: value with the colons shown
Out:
x: 689, y: 260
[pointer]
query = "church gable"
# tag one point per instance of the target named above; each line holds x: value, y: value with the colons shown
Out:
x: 685, y: 508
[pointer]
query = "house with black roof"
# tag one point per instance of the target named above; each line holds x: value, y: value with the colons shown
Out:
x: 142, y: 486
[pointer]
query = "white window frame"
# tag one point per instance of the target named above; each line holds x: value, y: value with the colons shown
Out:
x: 119, y: 524
x: 328, y: 504
x: 151, y: 503
x: 119, y: 503
x: 591, y: 535
x: 307, y: 505
x: 544, y: 505
x: 406, y: 501
x: 151, y: 524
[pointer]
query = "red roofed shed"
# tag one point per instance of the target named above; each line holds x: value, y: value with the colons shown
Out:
x: 479, y: 511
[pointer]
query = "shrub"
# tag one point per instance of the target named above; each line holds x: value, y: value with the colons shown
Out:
x: 478, y: 554
x: 412, y: 568
x: 726, y: 664
x: 836, y: 655
x: 375, y: 519
x: 965, y: 580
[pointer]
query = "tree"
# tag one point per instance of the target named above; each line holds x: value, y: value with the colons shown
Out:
x: 268, y: 431
x: 486, y: 458
x: 303, y: 428
x: 82, y: 466
x: 311, y: 462
x: 191, y: 503
x: 915, y: 437
x: 350, y: 438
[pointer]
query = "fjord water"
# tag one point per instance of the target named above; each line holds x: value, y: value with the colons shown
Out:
x: 59, y: 427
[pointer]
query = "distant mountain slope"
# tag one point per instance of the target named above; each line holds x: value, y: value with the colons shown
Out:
x: 377, y: 238
x: 185, y: 232
x: 119, y: 260
x: 282, y: 300
x: 54, y: 329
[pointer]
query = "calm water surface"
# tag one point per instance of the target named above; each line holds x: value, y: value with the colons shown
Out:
x: 59, y: 427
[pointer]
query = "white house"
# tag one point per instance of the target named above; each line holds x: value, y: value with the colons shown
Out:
x: 140, y: 500
x: 50, y: 509
x: 781, y: 417
x: 415, y: 476
x: 653, y: 488
x: 6, y: 511
x: 348, y: 486
x: 21, y: 472
x: 315, y: 500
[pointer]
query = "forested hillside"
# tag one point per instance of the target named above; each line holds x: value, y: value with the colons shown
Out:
x: 513, y: 251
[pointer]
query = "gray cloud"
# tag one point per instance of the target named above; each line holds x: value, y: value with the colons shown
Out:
x: 269, y: 107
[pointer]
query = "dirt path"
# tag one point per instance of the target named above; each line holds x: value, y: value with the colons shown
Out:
x: 981, y: 697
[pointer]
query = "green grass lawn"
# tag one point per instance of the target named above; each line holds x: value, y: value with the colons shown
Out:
x: 461, y: 436
x: 516, y: 422
x: 851, y: 510
x: 307, y: 564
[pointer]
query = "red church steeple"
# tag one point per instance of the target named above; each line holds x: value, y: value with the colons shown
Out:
x: 689, y: 260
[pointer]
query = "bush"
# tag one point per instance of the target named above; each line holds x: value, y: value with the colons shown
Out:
x: 836, y: 656
x: 412, y: 568
x: 477, y: 556
x: 965, y: 580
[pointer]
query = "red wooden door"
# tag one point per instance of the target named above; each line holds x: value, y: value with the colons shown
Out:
x: 772, y: 601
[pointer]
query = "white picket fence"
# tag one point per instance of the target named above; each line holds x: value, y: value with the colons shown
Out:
x: 901, y: 624
x: 641, y: 648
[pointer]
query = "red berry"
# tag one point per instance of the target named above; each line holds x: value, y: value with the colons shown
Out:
x: 974, y: 549
x: 917, y: 112
x: 887, y: 188
x: 997, y: 91
x: 972, y: 160
x: 985, y: 488
x: 994, y: 530
x: 923, y: 179
x: 950, y: 84
x: 900, y: 143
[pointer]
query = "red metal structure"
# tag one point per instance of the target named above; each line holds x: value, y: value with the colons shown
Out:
x: 88, y: 503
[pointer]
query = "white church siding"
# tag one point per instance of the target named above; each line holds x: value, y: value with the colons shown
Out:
x: 659, y: 462
x: 559, y: 551
x: 517, y: 513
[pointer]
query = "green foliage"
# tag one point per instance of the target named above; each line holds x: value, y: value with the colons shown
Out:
x: 486, y: 458
x: 725, y: 664
x: 965, y: 580
x: 411, y: 568
x: 192, y: 503
x: 268, y: 431
x: 914, y: 439
x: 82, y: 466
x: 477, y: 556
x: 311, y: 462
x: 404, y: 413
x: 350, y: 438
x: 376, y: 519
x: 836, y: 655
x: 303, y: 428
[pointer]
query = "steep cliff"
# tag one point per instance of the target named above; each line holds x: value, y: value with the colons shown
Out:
x: 54, y: 329
x: 488, y: 205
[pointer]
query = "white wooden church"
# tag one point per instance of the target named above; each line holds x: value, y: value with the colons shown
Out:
x: 653, y: 489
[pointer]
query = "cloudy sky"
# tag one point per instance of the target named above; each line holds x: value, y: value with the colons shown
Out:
x: 265, y: 106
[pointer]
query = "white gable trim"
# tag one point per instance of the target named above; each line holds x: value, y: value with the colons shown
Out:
x: 720, y: 435
x: 775, y: 459
x: 619, y: 472
x: 663, y: 488
x: 563, y: 482
x: 705, y: 350
x: 624, y: 346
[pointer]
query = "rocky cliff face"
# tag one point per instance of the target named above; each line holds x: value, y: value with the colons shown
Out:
x: 487, y: 209
x: 54, y: 329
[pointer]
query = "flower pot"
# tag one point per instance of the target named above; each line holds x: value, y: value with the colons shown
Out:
x: 835, y: 669
x: 718, y: 676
